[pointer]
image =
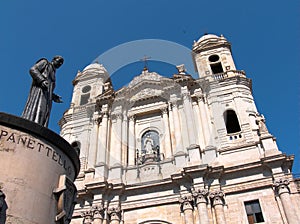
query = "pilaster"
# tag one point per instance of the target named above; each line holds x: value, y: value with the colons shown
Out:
x: 218, y: 202
x: 114, y: 213
x: 281, y: 187
x: 187, y: 208
x: 131, y: 141
x: 167, y: 140
x: 201, y: 201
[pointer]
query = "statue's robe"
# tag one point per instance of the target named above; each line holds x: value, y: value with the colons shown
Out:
x: 3, y: 208
x: 39, y: 102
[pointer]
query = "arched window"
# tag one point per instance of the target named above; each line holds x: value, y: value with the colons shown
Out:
x: 85, y: 95
x: 215, y: 64
x: 231, y: 122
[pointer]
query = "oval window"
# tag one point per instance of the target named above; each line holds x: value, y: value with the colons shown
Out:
x: 214, y: 58
x: 86, y: 89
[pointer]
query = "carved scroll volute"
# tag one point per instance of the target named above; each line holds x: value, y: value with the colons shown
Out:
x: 281, y: 186
x: 87, y: 217
x: 200, y: 195
x: 114, y: 213
x: 98, y: 212
x: 217, y: 197
x: 186, y: 202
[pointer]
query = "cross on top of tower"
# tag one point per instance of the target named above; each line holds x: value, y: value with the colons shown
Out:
x: 145, y: 60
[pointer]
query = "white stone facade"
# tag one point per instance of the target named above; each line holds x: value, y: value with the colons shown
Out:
x: 177, y: 150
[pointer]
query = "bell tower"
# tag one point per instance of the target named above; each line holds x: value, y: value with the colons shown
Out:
x: 88, y: 84
x: 227, y: 92
x: 79, y: 123
x: 212, y: 55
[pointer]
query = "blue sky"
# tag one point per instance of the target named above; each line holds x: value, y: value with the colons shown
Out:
x: 265, y: 39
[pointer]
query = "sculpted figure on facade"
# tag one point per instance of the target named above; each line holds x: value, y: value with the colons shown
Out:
x: 261, y: 122
x: 39, y: 102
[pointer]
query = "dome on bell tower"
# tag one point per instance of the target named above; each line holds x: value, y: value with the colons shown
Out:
x: 94, y: 67
x: 209, y: 39
x: 212, y: 55
x: 206, y: 37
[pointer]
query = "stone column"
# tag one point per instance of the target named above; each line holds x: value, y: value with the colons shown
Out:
x: 114, y: 214
x: 204, y: 120
x: 189, y: 116
x: 177, y: 128
x: 131, y: 141
x: 124, y: 139
x: 186, y: 202
x: 172, y: 130
x: 98, y: 214
x: 217, y: 201
x: 201, y: 201
x: 283, y: 191
x: 92, y: 152
x: 118, y: 139
x: 198, y: 125
x: 87, y: 217
x: 102, y: 142
x: 167, y: 141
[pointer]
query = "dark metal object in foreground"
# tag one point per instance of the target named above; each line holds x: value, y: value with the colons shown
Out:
x: 39, y: 102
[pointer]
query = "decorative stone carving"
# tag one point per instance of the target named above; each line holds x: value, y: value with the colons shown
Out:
x: 87, y: 217
x: 131, y: 117
x: 117, y: 116
x: 217, y: 197
x: 150, y: 150
x: 200, y: 195
x: 181, y: 69
x: 146, y: 93
x: 201, y: 200
x: 186, y: 202
x: 98, y: 211
x: 281, y: 186
x: 261, y: 122
x: 114, y: 213
x: 164, y: 110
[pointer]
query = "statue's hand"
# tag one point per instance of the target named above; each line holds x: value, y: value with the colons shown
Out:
x: 56, y: 98
x: 45, y: 85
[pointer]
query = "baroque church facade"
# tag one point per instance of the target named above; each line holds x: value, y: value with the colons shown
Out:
x: 178, y: 150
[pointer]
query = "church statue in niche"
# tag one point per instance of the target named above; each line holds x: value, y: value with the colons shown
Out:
x: 149, y: 151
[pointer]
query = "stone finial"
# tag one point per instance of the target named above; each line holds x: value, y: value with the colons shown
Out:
x: 217, y: 197
x: 281, y: 186
x: 181, y: 69
x: 186, y: 202
x: 200, y: 195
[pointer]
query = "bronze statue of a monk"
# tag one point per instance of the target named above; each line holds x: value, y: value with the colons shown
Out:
x: 39, y: 102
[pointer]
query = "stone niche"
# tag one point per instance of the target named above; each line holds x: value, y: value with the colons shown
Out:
x: 37, y: 170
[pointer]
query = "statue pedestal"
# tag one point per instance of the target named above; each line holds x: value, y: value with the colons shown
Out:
x: 37, y: 171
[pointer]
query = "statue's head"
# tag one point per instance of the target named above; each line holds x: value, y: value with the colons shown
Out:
x: 57, y: 61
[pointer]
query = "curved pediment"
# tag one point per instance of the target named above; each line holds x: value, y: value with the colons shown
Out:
x: 145, y: 76
x: 145, y: 86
